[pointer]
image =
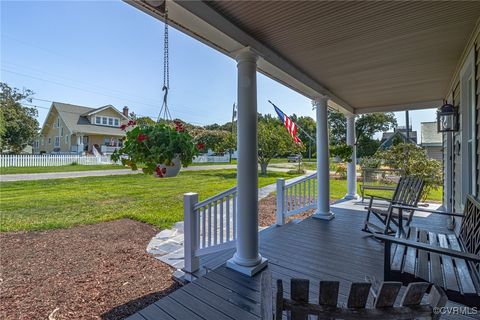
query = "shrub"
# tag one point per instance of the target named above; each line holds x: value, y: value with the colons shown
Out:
x: 370, y: 162
x: 341, y: 170
x: 414, y: 161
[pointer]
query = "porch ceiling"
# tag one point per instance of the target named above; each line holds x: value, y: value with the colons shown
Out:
x: 368, y: 56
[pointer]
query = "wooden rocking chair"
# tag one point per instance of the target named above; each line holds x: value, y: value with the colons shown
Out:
x: 407, y: 193
x: 298, y: 306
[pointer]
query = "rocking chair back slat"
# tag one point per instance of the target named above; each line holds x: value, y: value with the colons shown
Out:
x: 387, y: 293
x: 328, y: 293
x: 414, y: 294
x: 358, y: 295
x: 298, y: 305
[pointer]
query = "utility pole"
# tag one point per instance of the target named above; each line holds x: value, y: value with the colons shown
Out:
x: 407, y: 122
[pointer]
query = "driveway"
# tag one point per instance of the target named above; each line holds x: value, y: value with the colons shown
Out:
x: 100, y: 173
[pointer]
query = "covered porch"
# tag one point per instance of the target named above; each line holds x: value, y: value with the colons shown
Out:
x: 351, y: 57
x: 312, y: 249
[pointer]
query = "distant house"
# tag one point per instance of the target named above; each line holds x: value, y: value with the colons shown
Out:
x: 431, y: 140
x: 398, y: 134
x: 71, y: 128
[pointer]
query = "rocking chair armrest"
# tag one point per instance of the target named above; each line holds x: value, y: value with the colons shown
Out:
x: 405, y: 207
x: 427, y: 247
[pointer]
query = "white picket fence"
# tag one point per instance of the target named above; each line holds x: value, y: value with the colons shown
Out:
x: 205, y: 158
x: 7, y: 160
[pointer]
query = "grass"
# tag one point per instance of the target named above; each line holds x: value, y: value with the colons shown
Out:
x: 63, y: 203
x: 66, y: 168
x: 78, y: 167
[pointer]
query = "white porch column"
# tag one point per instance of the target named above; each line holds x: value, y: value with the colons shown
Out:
x: 323, y: 170
x: 351, y: 166
x: 247, y: 259
x: 80, y: 143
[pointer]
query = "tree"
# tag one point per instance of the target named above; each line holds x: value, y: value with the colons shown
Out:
x: 310, y: 127
x: 413, y: 160
x: 142, y: 121
x: 20, y: 125
x: 215, y: 140
x: 366, y: 126
x: 273, y: 140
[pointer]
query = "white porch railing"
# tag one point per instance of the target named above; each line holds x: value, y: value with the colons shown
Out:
x: 209, y: 226
x: 8, y: 160
x: 295, y: 197
x: 108, y: 149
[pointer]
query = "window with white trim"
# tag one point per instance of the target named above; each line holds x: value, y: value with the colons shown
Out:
x: 110, y: 121
x: 61, y: 133
x: 57, y: 141
x: 66, y: 139
x: 98, y: 120
x: 49, y: 140
x: 117, y: 122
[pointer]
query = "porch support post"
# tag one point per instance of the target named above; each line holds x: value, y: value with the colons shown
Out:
x: 323, y: 167
x: 247, y: 259
x: 351, y: 166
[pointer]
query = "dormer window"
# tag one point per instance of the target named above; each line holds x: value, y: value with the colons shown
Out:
x: 107, y: 121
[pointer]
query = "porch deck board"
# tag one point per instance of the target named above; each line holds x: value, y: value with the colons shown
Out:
x: 312, y: 249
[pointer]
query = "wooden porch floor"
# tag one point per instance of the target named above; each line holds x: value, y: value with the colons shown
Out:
x: 312, y: 249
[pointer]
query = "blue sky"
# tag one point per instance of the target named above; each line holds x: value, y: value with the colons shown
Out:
x: 96, y: 53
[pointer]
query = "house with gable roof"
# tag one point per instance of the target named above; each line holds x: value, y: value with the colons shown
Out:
x: 77, y: 129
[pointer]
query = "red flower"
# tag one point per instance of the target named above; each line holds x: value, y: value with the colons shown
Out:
x: 179, y: 126
x: 141, y: 137
x: 132, y: 122
x: 123, y: 127
x: 200, y: 146
x: 160, y: 171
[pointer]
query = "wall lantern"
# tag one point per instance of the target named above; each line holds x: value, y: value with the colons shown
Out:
x: 447, y: 118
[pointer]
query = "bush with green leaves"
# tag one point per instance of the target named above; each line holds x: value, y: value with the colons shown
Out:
x: 414, y: 161
x: 342, y: 151
x: 151, y: 145
x: 370, y: 162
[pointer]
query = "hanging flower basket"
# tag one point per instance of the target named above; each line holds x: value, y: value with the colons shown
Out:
x: 160, y: 148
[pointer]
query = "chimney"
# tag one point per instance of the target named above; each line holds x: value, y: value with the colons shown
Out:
x: 125, y: 111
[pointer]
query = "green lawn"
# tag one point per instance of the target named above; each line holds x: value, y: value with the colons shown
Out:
x: 78, y: 167
x: 62, y: 203
x: 67, y: 168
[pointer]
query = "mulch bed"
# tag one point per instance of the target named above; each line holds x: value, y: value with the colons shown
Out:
x: 97, y: 271
x: 267, y: 208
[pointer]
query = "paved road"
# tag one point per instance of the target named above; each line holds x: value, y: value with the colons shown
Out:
x: 100, y: 173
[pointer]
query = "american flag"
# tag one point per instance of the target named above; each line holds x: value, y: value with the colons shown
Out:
x: 289, y: 124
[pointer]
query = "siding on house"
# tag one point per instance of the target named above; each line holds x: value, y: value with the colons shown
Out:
x: 455, y: 95
x: 52, y: 132
x: 457, y: 159
x: 477, y: 97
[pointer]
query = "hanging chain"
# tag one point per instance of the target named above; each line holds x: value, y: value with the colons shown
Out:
x: 164, y: 111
